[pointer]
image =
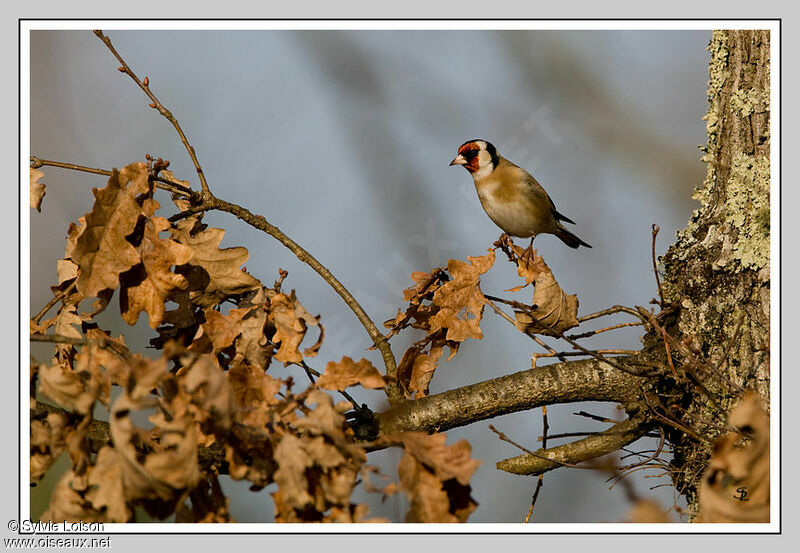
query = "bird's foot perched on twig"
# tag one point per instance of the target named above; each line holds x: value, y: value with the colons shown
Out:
x: 527, y: 255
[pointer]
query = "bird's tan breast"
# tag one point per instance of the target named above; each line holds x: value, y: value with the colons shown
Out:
x: 513, y: 205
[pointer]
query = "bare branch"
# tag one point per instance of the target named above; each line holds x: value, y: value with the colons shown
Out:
x: 541, y: 456
x: 165, y: 184
x: 610, y: 311
x: 584, y: 380
x: 591, y: 447
x: 601, y: 330
x: 59, y: 339
x: 551, y: 351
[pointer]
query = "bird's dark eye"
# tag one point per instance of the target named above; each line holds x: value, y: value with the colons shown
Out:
x: 470, y: 153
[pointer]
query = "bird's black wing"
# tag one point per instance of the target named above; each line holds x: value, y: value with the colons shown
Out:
x: 536, y: 189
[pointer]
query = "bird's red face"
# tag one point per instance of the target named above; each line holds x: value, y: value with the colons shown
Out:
x: 468, y: 156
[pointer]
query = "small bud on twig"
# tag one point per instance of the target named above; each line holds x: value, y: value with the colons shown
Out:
x: 153, y: 105
x: 146, y: 81
x: 121, y: 69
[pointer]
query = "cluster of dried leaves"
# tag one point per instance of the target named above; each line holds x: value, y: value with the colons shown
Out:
x: 552, y: 311
x: 447, y: 304
x: 217, y: 331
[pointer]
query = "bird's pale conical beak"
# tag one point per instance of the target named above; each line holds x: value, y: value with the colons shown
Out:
x: 459, y: 160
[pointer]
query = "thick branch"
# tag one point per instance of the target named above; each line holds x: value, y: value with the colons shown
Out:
x: 99, y: 434
x: 591, y: 447
x: 585, y: 380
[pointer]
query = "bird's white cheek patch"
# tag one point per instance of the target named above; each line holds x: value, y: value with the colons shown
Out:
x: 482, y: 171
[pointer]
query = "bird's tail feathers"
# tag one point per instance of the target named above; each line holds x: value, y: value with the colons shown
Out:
x: 562, y: 217
x: 569, y: 239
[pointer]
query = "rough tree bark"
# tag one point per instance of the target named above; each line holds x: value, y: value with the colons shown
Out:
x: 718, y: 270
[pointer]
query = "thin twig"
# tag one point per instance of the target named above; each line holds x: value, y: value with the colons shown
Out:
x: 57, y: 298
x: 672, y: 422
x: 173, y: 187
x: 655, y: 230
x: 568, y: 435
x: 600, y: 330
x: 531, y: 453
x: 659, y: 449
x: 59, y: 339
x: 37, y: 162
x: 500, y: 312
x: 310, y: 373
x: 610, y: 311
x: 551, y: 352
x: 561, y: 354
x: 540, y: 479
x: 669, y: 353
x: 594, y: 354
x: 594, y: 417
x: 622, y: 472
x: 193, y: 210
x: 157, y: 105
x: 622, y: 477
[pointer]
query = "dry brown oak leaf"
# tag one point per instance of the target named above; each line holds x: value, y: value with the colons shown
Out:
x: 291, y: 322
x: 338, y: 376
x: 99, y: 244
x: 735, y: 486
x: 95, y: 496
x: 213, y: 273
x: 37, y: 189
x: 147, y: 286
x: 554, y: 311
x: 460, y: 301
x: 435, y: 477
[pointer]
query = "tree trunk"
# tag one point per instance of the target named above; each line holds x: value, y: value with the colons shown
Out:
x: 717, y: 274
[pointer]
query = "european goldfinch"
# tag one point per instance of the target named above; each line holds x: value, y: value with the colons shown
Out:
x: 511, y: 197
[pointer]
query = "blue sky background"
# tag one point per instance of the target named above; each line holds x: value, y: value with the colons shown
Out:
x: 343, y: 138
